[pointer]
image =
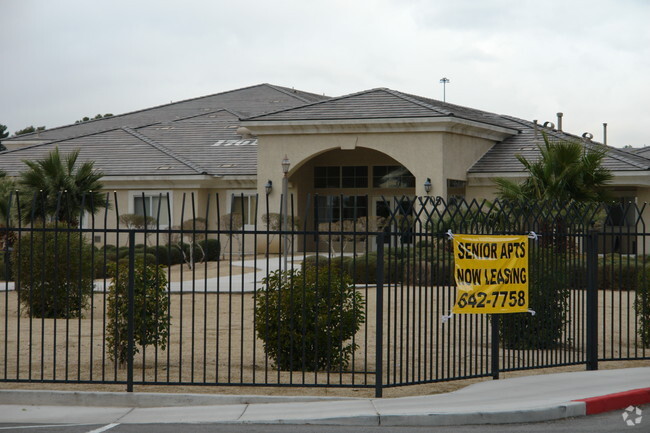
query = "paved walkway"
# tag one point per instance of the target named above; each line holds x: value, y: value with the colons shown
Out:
x: 238, y: 282
x: 523, y: 399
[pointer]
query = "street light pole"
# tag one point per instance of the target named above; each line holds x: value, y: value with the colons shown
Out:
x: 285, y: 208
x: 444, y: 81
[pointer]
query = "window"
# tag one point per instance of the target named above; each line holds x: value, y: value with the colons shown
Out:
x: 155, y: 205
x: 332, y: 208
x: 327, y: 177
x: 455, y: 191
x: 351, y: 176
x: 392, y: 176
x: 245, y: 204
x: 622, y: 213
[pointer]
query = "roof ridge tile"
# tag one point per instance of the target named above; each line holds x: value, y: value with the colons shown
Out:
x: 164, y: 149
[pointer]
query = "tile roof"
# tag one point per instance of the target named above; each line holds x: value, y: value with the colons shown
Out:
x: 502, y: 156
x: 205, y: 144
x: 129, y: 155
x: 244, y: 102
x: 382, y: 103
x: 199, y: 136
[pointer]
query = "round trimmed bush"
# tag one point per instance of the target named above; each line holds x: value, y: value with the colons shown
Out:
x: 55, y: 271
x: 175, y: 255
x: 161, y: 253
x: 306, y: 318
x: 150, y: 308
x: 363, y: 269
x: 211, y: 248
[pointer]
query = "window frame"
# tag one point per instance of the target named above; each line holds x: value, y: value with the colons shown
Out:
x: 247, y: 193
x: 150, y: 194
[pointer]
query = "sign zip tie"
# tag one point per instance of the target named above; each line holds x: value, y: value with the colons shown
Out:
x: 446, y: 318
x: 531, y: 311
x: 534, y: 236
x: 450, y: 235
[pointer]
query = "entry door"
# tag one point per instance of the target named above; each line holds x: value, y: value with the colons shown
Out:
x: 390, y: 209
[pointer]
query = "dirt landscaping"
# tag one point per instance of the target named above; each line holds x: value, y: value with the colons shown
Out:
x: 212, y: 340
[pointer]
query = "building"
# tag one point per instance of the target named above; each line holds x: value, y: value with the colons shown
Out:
x: 345, y: 153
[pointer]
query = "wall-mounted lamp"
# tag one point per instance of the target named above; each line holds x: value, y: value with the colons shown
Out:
x: 268, y: 187
x: 427, y: 185
x: 285, y: 165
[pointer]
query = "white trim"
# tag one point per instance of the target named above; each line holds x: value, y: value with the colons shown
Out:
x: 454, y: 125
x: 153, y: 193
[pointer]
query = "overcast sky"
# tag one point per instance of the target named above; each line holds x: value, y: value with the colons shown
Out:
x: 65, y: 59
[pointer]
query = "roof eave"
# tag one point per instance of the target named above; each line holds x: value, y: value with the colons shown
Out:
x: 638, y: 178
x: 447, y: 124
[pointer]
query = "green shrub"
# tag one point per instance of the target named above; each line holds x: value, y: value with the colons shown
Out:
x: 56, y: 273
x: 419, y: 273
x: 175, y: 255
x: 619, y: 272
x: 548, y: 296
x: 101, y: 269
x: 6, y: 270
x: 642, y: 306
x: 211, y: 248
x: 335, y: 263
x: 150, y: 308
x: 442, y: 268
x: 307, y: 317
x: 363, y: 269
x: 161, y: 252
x: 149, y: 258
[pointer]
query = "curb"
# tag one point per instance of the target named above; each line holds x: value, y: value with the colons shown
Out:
x: 619, y: 400
x: 143, y: 399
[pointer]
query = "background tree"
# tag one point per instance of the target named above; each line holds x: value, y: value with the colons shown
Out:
x: 232, y: 224
x: 97, y: 117
x: 56, y: 187
x: 29, y: 130
x: 139, y: 222
x: 190, y: 240
x: 3, y: 134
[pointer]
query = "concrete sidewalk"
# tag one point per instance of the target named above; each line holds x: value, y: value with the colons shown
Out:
x: 523, y: 399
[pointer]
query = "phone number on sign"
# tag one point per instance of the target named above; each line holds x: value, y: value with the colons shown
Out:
x: 496, y: 299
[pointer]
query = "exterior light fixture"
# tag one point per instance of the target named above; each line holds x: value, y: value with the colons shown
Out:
x: 285, y: 165
x: 268, y: 187
x: 427, y: 185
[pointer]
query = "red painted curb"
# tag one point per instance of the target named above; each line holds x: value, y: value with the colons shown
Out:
x: 620, y: 400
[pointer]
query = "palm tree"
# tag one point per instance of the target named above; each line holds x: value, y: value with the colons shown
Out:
x: 58, y: 188
x: 567, y: 171
x: 6, y: 188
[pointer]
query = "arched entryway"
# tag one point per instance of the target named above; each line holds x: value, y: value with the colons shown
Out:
x: 347, y: 185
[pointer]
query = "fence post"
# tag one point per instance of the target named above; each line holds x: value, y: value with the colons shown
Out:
x: 592, y: 300
x: 130, y: 312
x: 495, y: 346
x: 379, y: 318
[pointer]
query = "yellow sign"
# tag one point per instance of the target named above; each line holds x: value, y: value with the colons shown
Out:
x: 491, y: 274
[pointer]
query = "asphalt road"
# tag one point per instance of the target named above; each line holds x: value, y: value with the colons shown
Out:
x: 610, y: 422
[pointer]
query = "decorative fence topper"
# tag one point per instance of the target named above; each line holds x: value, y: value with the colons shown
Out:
x: 491, y: 274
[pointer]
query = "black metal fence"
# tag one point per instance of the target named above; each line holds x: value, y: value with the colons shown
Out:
x: 353, y: 300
